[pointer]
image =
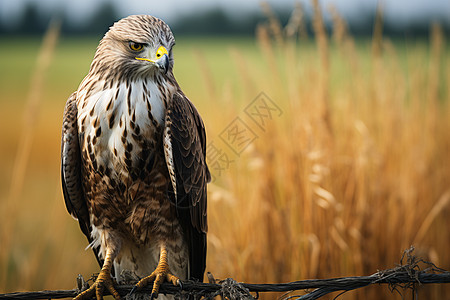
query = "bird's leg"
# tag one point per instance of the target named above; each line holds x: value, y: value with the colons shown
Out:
x: 161, y: 273
x: 103, y: 280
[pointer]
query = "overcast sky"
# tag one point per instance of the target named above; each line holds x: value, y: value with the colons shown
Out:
x: 402, y: 11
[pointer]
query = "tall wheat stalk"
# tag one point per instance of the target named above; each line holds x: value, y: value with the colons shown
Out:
x: 349, y: 176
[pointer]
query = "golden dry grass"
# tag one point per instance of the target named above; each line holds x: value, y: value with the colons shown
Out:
x: 351, y: 167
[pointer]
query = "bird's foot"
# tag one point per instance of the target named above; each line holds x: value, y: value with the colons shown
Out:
x: 161, y: 274
x: 103, y: 281
x: 157, y: 277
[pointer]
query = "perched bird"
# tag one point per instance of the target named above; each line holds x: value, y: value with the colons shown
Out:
x: 133, y: 161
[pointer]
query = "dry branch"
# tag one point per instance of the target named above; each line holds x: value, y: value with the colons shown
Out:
x: 403, y: 276
x: 322, y: 287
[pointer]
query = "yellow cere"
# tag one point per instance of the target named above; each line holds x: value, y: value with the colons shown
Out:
x: 159, y: 53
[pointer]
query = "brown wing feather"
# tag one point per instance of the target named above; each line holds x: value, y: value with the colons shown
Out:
x: 71, y: 171
x: 185, y: 136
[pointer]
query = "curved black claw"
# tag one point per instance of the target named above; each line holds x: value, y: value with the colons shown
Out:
x: 153, y: 296
x: 180, y: 285
x: 133, y: 290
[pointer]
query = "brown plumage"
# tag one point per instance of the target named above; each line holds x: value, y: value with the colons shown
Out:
x: 133, y: 160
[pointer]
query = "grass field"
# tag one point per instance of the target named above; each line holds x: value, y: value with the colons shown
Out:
x: 346, y: 165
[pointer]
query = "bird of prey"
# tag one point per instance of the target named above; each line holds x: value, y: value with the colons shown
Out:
x: 133, y: 164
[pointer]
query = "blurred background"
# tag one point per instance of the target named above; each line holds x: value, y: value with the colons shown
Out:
x: 343, y: 157
x: 219, y: 17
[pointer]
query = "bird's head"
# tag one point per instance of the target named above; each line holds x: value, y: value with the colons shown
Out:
x: 136, y: 46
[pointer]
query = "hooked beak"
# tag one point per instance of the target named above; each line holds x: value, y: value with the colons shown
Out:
x: 162, y: 62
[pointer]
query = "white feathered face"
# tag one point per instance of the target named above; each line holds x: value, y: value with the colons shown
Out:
x: 136, y: 46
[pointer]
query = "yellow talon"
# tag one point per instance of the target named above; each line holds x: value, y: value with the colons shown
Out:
x: 103, y: 281
x: 161, y: 273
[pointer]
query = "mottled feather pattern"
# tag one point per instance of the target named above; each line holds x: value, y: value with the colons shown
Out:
x: 188, y: 141
x: 114, y: 160
x: 168, y: 152
x: 71, y: 172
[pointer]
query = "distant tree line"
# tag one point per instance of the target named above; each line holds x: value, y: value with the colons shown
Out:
x: 215, y: 21
x: 33, y: 22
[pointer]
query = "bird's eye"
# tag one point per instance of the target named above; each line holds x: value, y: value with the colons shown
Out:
x: 136, y: 46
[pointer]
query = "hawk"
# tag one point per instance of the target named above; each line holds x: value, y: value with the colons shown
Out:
x: 133, y: 164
